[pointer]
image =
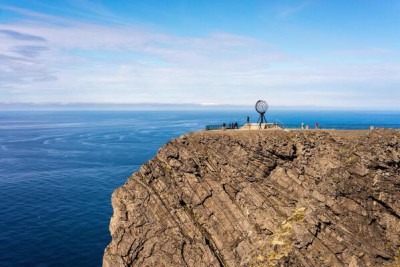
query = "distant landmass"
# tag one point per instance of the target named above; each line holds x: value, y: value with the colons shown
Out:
x: 114, y: 106
x: 13, y: 106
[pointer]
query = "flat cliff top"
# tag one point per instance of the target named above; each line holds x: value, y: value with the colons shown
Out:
x: 349, y: 134
x: 262, y: 198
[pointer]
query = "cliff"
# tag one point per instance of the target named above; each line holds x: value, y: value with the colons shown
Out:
x: 262, y: 198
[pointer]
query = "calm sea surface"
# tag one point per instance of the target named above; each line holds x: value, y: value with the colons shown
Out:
x: 58, y: 170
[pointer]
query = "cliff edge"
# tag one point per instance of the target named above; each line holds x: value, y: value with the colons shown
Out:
x: 262, y: 198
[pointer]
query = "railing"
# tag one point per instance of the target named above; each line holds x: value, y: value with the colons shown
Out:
x: 228, y: 126
x: 343, y: 126
x: 213, y: 127
x: 330, y: 126
x: 279, y: 123
x: 231, y: 126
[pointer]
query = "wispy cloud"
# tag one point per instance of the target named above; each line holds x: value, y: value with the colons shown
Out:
x: 29, y: 51
x: 21, y: 36
x: 364, y: 51
x: 31, y: 14
x: 285, y: 11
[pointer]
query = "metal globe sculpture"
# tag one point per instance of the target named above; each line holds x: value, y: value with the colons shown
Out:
x: 261, y: 107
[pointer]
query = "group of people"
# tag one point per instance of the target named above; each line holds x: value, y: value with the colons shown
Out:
x: 316, y: 125
x: 233, y: 125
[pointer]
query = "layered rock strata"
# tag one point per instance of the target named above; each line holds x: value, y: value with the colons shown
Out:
x: 262, y: 198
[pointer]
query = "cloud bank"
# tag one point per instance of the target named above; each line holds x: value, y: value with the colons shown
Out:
x: 44, y: 58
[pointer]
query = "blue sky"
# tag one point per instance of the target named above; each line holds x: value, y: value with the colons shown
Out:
x: 292, y: 53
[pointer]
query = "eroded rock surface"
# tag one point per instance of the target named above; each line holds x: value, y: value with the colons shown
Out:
x: 262, y: 198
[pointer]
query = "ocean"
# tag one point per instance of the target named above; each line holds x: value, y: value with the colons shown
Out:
x: 59, y: 169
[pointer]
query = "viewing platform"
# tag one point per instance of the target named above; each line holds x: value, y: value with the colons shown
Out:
x: 281, y: 126
x: 263, y: 126
x: 247, y: 126
x: 261, y: 107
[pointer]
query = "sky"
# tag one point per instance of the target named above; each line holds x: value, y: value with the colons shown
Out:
x: 342, y: 53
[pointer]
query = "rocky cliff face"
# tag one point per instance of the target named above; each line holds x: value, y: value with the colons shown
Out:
x: 262, y: 198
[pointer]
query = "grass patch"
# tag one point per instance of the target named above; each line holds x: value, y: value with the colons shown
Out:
x: 281, y: 243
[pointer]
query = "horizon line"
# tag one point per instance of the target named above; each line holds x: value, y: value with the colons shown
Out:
x: 48, y: 106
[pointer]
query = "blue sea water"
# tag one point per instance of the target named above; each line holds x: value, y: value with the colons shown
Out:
x: 58, y: 170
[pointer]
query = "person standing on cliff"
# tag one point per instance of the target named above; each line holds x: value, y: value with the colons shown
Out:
x: 316, y: 125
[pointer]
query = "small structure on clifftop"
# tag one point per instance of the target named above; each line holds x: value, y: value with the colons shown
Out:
x: 261, y: 108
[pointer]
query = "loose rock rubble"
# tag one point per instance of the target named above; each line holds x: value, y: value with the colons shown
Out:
x: 262, y: 198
